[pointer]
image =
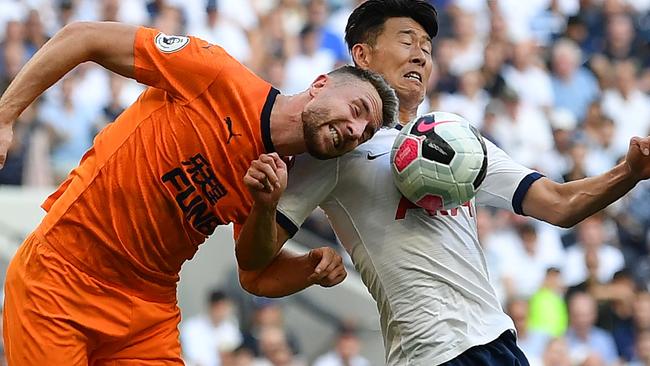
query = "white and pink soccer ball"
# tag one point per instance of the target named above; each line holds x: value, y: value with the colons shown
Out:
x: 439, y: 160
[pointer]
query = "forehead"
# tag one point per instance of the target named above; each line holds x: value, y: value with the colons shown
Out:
x: 395, y: 26
x: 357, y: 91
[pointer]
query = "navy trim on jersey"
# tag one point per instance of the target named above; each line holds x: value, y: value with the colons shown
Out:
x: 286, y: 224
x: 521, y: 191
x: 265, y: 120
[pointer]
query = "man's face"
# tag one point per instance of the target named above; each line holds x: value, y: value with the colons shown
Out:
x: 402, y: 54
x: 342, y: 115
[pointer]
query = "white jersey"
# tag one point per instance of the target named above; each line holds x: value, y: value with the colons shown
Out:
x: 426, y: 271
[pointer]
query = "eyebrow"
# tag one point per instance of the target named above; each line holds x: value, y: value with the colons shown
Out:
x: 412, y: 32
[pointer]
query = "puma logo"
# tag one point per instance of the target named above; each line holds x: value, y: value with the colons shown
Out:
x: 231, y: 133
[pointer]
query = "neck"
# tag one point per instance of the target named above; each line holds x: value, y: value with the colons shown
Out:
x: 406, y: 115
x: 286, y: 124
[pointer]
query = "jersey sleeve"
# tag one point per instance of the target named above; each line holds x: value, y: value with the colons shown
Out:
x: 183, y: 66
x: 506, y: 182
x: 310, y: 182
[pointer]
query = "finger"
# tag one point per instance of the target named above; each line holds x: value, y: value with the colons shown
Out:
x: 642, y: 144
x: 334, y: 263
x: 268, y: 171
x: 325, y: 261
x: 268, y: 159
x: 338, y: 278
x: 261, y: 178
x: 278, y: 161
x: 258, y: 175
x: 2, y: 160
x: 253, y: 183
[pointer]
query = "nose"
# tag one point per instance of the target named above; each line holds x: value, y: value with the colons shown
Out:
x: 418, y: 56
x: 355, y: 130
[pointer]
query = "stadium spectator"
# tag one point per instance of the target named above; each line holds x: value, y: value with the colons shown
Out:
x: 204, y: 336
x: 532, y: 342
x: 527, y: 76
x: 557, y: 353
x: 310, y: 60
x: 317, y: 15
x: 527, y: 263
x: 522, y: 130
x: 642, y: 347
x: 626, y: 105
x: 469, y: 101
x: 275, y: 350
x: 72, y: 127
x: 584, y: 338
x: 267, y: 314
x: 574, y: 87
x: 591, y: 239
x: 28, y: 163
x: 224, y: 32
x: 346, y: 351
x: 547, y: 309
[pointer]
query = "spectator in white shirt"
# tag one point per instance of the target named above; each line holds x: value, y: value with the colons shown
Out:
x: 527, y: 77
x: 628, y: 106
x: 204, y: 336
x: 591, y: 238
x: 346, y: 350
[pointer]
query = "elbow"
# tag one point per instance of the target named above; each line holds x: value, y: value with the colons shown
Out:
x: 562, y: 216
x: 79, y: 33
x: 252, y: 264
x: 565, y: 222
x: 75, y: 29
x: 248, y: 281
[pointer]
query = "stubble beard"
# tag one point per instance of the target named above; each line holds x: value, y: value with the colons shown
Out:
x: 310, y: 126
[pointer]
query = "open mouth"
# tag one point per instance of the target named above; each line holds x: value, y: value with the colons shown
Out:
x: 413, y: 75
x: 336, y: 138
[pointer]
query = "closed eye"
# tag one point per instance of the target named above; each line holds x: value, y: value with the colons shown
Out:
x: 354, y: 110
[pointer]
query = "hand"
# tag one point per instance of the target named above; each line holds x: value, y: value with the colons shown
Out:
x: 329, y: 270
x: 266, y: 179
x: 6, y: 136
x: 638, y: 157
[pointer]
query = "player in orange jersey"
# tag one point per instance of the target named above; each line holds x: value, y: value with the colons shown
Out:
x: 95, y: 283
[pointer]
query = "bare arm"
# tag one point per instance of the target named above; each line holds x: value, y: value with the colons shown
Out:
x: 569, y: 203
x: 260, y: 241
x: 108, y: 44
x: 289, y: 273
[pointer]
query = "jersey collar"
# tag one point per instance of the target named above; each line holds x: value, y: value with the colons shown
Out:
x: 265, y: 120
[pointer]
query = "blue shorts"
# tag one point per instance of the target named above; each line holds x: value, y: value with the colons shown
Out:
x: 502, y: 351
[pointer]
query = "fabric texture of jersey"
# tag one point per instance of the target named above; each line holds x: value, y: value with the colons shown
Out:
x: 55, y: 314
x: 160, y: 178
x: 425, y: 270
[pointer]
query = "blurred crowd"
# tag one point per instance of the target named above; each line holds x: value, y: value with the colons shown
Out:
x: 251, y: 331
x: 561, y: 85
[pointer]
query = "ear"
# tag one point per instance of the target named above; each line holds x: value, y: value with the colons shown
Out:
x: 318, y: 84
x: 361, y: 55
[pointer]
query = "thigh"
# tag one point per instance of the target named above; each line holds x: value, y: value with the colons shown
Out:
x: 154, y: 340
x: 34, y: 332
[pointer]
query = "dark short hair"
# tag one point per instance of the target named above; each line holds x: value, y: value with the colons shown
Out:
x: 389, y: 101
x: 367, y: 21
x: 216, y: 296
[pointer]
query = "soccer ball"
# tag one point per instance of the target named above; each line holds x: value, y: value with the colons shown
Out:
x: 439, y: 161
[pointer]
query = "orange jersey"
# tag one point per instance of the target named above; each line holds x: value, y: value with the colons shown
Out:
x: 170, y: 169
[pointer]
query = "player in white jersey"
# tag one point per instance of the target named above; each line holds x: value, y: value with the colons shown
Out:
x: 425, y: 269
